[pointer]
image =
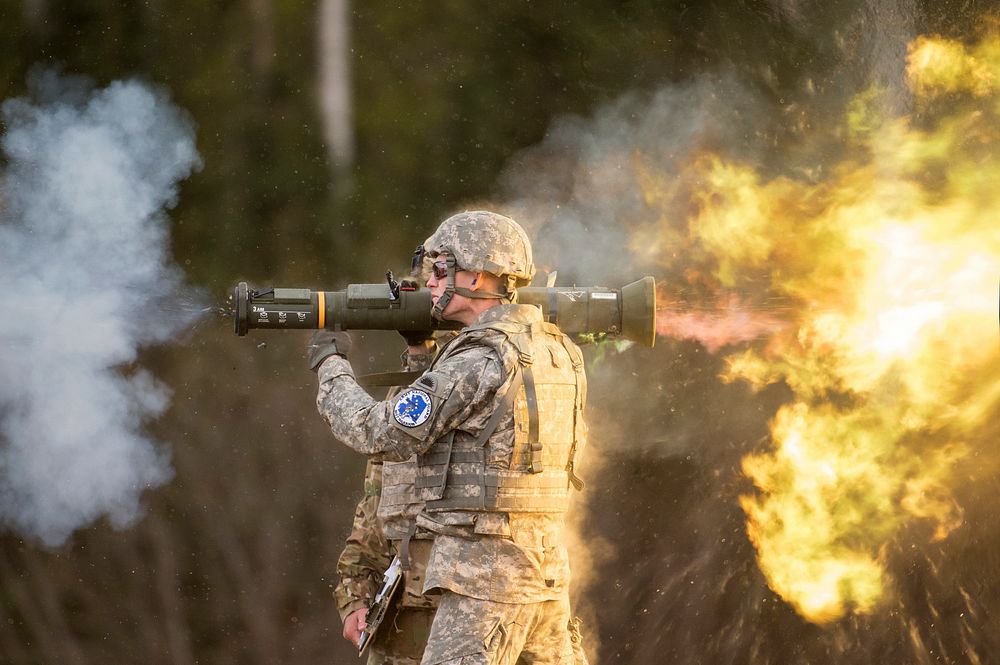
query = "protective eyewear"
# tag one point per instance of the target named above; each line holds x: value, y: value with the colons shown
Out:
x: 440, y: 270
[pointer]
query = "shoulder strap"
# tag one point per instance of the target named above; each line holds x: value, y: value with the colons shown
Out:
x: 503, y: 409
x: 577, y: 359
x: 535, y: 465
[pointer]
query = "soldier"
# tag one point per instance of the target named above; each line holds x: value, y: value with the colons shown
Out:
x: 478, y: 453
x: 369, y: 552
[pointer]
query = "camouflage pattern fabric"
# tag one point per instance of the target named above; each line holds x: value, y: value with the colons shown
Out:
x: 576, y: 640
x: 510, y: 569
x: 403, y: 636
x: 483, y: 241
x: 378, y: 658
x: 467, y: 381
x: 367, y: 553
x: 482, y: 632
x: 524, y: 470
x: 402, y: 639
x: 365, y: 557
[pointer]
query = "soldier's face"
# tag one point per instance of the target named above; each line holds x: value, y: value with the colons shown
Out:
x: 459, y: 307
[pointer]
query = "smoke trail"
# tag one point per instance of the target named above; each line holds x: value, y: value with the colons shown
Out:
x: 85, y: 267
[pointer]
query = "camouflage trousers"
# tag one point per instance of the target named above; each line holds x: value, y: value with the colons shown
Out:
x: 376, y: 657
x: 469, y: 631
x: 402, y: 638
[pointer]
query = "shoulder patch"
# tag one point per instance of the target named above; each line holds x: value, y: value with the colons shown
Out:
x: 413, y: 408
x: 428, y: 381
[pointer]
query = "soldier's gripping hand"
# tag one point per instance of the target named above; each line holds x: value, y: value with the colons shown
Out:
x: 326, y: 343
x: 354, y: 623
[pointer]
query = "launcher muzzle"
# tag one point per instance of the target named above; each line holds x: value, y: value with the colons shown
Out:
x: 628, y: 312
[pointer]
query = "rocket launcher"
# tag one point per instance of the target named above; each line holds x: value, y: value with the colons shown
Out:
x: 628, y: 312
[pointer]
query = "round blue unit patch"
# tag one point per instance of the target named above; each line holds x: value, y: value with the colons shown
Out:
x: 413, y: 408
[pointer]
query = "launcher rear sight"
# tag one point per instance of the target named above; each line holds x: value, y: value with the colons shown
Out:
x: 628, y: 312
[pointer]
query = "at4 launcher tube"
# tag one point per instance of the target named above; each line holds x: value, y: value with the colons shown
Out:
x: 628, y: 312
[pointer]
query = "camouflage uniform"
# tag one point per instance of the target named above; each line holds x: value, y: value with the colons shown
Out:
x: 403, y: 636
x: 367, y: 554
x: 495, y: 507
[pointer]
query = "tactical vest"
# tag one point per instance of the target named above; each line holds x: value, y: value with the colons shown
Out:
x: 523, y: 459
x: 399, y: 503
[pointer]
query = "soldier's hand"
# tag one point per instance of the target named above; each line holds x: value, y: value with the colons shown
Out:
x: 354, y: 624
x: 326, y: 343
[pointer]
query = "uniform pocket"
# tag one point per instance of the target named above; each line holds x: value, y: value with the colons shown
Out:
x: 496, y: 643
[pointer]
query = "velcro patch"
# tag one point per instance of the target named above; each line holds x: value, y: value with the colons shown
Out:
x: 413, y: 408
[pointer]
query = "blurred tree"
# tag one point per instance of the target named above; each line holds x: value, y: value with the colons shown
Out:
x: 335, y: 88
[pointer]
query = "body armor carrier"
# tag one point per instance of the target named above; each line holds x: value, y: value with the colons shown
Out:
x: 523, y: 459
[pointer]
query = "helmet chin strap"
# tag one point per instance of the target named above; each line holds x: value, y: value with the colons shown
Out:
x: 450, y: 290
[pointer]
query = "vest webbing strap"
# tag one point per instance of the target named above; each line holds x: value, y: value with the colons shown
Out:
x: 505, y: 406
x: 517, y: 504
x: 533, y: 504
x: 428, y: 480
x: 442, y: 457
x: 495, y: 493
x: 548, y: 480
x: 404, y: 546
x: 535, y: 465
x: 576, y: 480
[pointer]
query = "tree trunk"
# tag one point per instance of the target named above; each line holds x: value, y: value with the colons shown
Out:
x: 335, y: 88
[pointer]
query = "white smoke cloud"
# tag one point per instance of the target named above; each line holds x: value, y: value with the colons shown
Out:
x: 84, y: 262
x: 580, y: 189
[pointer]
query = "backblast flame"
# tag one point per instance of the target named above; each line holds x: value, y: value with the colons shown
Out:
x: 890, y: 265
x: 726, y: 321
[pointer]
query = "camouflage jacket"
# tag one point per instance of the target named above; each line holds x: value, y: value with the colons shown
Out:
x: 508, y: 557
x: 368, y: 553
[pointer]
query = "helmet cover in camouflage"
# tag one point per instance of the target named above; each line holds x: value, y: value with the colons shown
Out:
x: 483, y: 241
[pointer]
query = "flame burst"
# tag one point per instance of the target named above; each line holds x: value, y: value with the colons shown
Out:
x: 893, y: 260
x: 727, y: 320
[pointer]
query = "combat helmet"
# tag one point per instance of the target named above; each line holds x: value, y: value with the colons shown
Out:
x: 481, y: 241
